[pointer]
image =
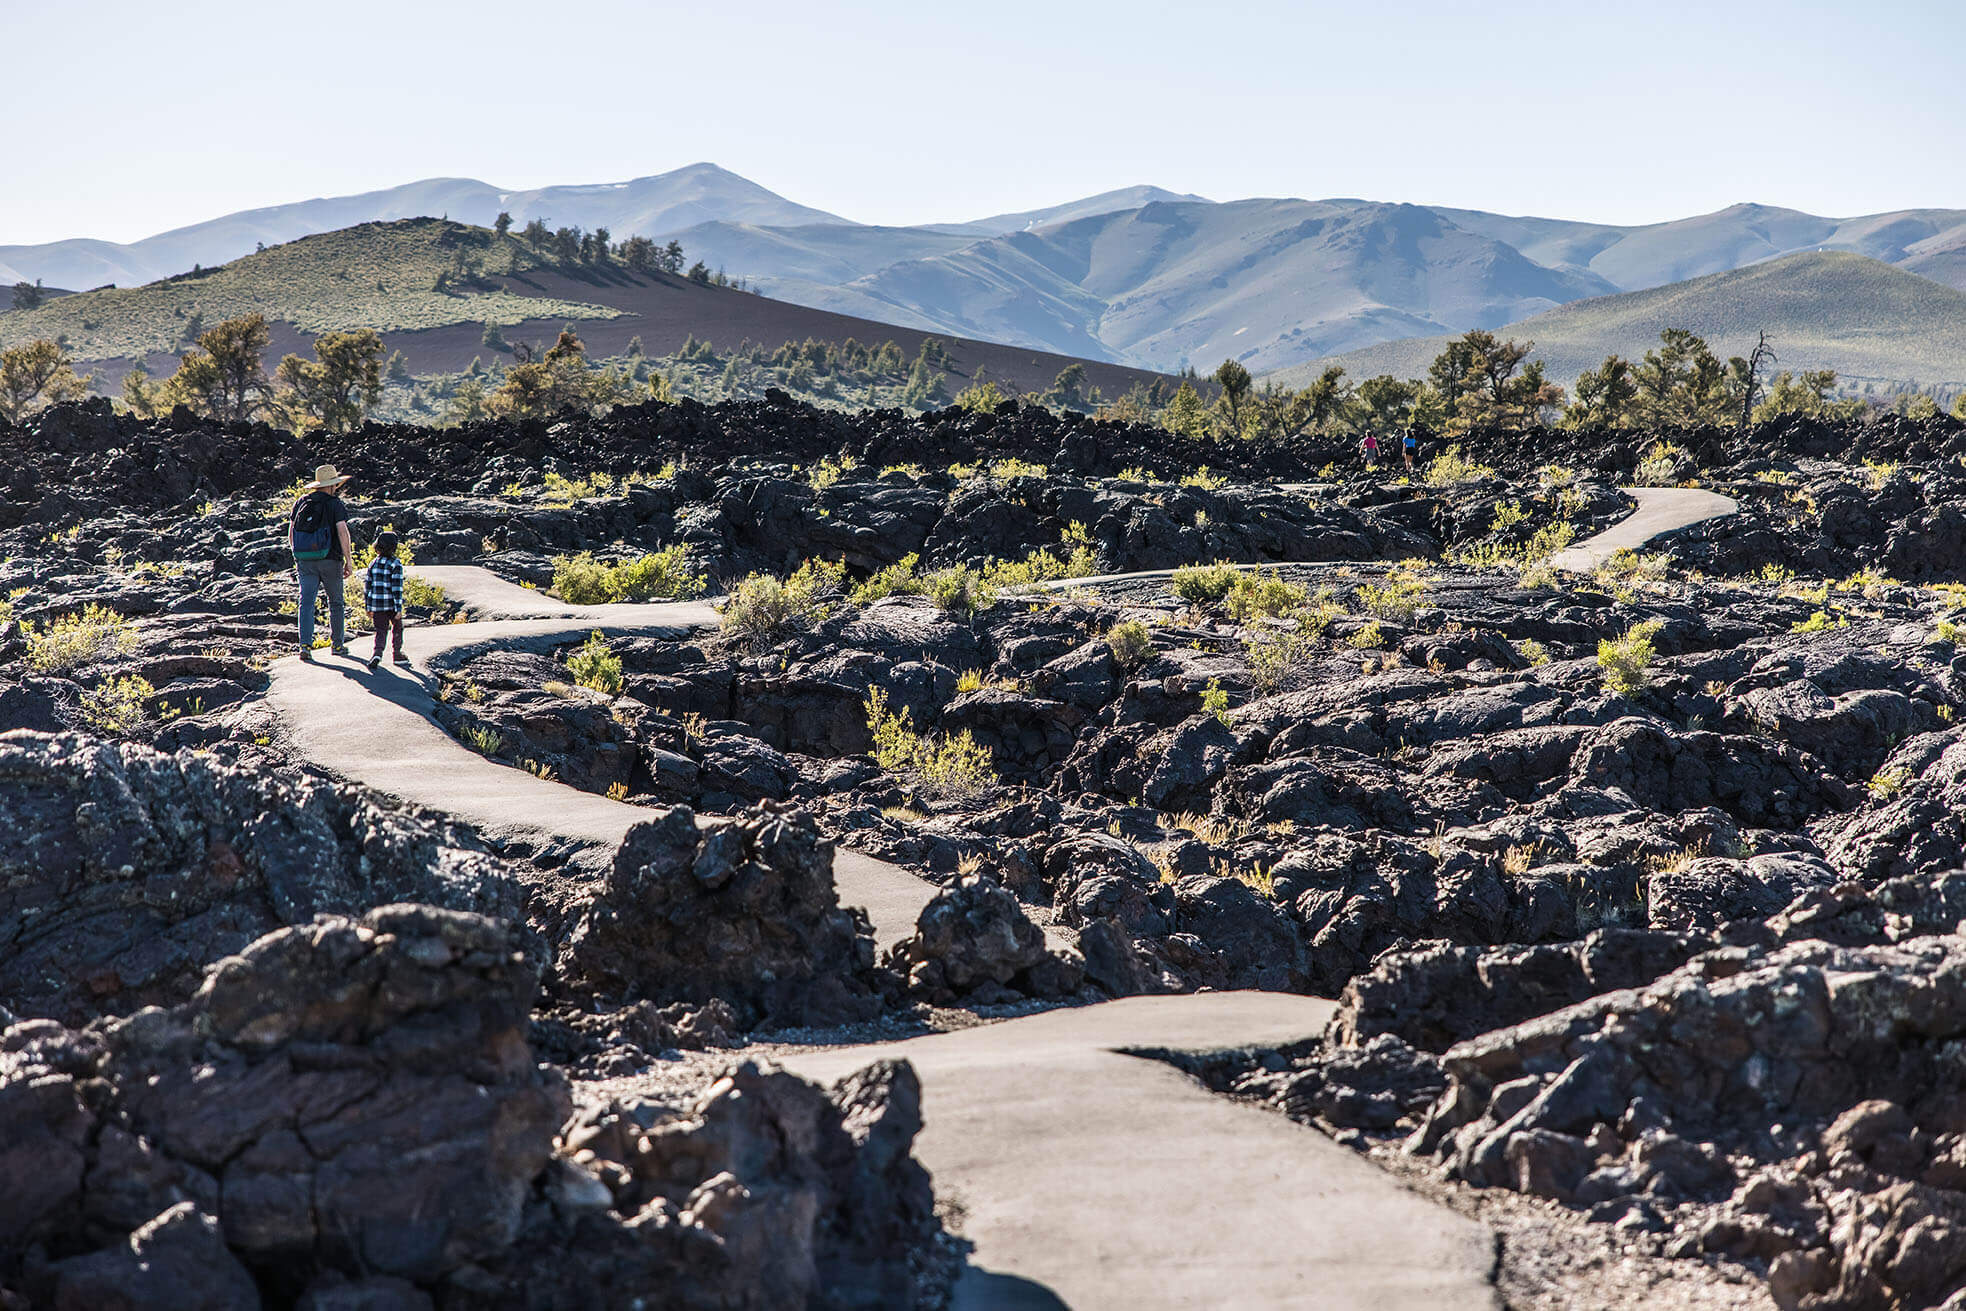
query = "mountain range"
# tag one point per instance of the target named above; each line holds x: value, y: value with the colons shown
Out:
x: 1869, y: 321
x: 1141, y: 276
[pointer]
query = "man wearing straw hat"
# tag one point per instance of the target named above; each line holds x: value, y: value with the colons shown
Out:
x: 318, y: 532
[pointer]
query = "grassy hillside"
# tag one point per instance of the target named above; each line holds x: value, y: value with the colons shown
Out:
x: 378, y: 275
x: 1867, y: 320
x: 383, y: 275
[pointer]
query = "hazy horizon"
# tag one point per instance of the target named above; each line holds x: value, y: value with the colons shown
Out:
x: 899, y: 116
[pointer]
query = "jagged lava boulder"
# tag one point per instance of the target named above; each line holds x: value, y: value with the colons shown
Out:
x: 974, y: 942
x: 352, y: 1096
x: 742, y: 909
x: 766, y: 1191
x: 125, y: 871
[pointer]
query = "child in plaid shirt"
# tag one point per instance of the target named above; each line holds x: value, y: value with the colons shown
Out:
x: 382, y: 597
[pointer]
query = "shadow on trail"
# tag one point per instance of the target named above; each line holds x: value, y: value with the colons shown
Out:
x: 404, y: 684
x: 977, y: 1289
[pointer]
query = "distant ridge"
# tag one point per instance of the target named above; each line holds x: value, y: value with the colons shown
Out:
x: 1140, y: 275
x: 384, y: 276
x: 664, y: 203
x: 1857, y: 315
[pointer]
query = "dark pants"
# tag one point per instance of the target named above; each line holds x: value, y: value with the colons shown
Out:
x: 317, y: 576
x: 387, y: 622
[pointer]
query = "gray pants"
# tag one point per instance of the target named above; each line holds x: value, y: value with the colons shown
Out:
x: 314, y: 576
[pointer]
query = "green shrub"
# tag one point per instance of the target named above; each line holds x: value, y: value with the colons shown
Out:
x: 1819, y: 622
x: 980, y: 398
x: 1626, y: 564
x: 1533, y: 651
x: 955, y: 768
x: 1043, y: 565
x: 1131, y: 642
x: 581, y: 579
x: 1542, y: 544
x: 830, y: 470
x: 765, y: 608
x: 1216, y: 702
x: 119, y: 705
x: 1278, y: 660
x: 1660, y: 467
x: 1368, y: 637
x: 1888, y: 781
x: 1626, y: 661
x: 658, y: 575
x: 1012, y: 467
x: 561, y: 490
x: 1254, y: 595
x: 595, y: 665
x: 960, y: 590
x: 1205, y: 480
x: 71, y: 641
x: 1453, y: 466
x: 897, y: 579
x: 419, y: 594
x: 1200, y: 584
x: 484, y: 739
x: 1398, y: 596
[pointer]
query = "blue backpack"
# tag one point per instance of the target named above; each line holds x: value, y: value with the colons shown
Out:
x: 313, y: 529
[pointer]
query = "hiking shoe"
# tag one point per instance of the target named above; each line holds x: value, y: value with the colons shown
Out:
x: 401, y: 660
x: 375, y: 662
x: 338, y: 650
x: 306, y: 655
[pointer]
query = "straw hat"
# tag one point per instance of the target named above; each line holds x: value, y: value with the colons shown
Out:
x: 326, y: 477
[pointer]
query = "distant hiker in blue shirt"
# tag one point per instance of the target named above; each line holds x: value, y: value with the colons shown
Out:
x: 382, y: 597
x: 1409, y: 445
x: 318, y: 533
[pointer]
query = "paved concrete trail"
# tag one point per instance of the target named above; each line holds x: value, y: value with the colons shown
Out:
x: 1661, y: 510
x: 1090, y: 1178
x: 1094, y: 1179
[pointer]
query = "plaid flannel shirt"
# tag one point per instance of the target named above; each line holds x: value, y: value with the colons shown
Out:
x: 383, y: 592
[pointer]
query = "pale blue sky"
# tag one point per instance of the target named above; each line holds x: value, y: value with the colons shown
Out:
x: 126, y: 119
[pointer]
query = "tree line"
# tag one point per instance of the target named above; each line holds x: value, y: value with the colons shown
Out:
x: 1480, y: 380
x: 638, y: 254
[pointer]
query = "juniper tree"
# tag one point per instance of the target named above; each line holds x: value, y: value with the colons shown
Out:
x: 1606, y: 396
x: 36, y: 373
x: 337, y: 388
x: 1234, y: 380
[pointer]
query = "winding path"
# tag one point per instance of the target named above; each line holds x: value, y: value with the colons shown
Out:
x: 1661, y: 510
x: 1088, y: 1177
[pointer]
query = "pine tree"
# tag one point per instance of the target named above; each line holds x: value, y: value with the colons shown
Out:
x: 1187, y: 414
x: 1235, y: 382
x: 34, y: 374
x: 1607, y: 396
x: 337, y: 389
